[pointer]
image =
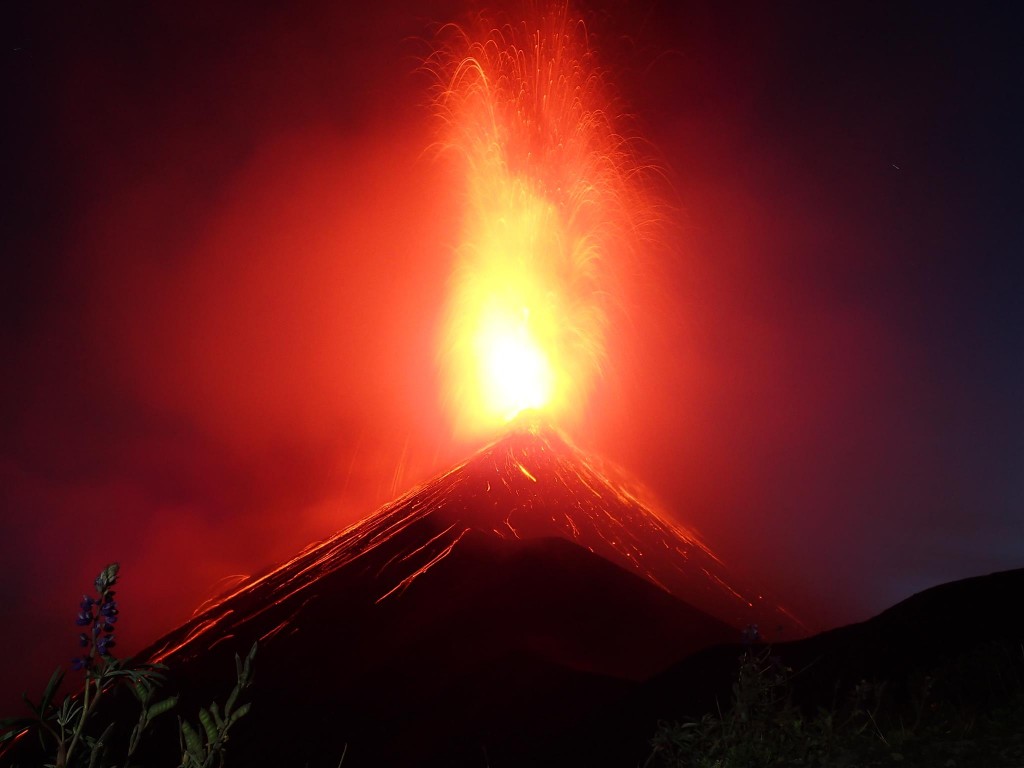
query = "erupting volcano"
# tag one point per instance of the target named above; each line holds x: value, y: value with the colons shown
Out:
x: 501, y: 602
x: 504, y: 600
x: 490, y: 608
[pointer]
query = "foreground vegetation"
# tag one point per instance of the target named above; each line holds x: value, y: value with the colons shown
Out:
x: 968, y: 712
x: 74, y: 733
x: 962, y: 712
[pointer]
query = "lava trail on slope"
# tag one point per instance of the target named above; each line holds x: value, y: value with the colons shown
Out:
x: 489, y: 608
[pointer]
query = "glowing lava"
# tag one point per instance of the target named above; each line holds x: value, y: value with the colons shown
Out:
x: 552, y: 202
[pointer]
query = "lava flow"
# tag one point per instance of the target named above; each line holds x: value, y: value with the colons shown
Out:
x: 553, y: 206
x: 530, y: 485
x: 522, y: 574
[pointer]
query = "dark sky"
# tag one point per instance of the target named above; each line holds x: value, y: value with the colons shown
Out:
x: 225, y: 250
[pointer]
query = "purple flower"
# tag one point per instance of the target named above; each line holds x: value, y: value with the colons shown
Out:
x: 102, y: 621
x: 104, y: 644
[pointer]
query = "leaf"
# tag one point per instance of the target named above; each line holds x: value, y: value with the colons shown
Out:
x: 113, y: 670
x: 160, y: 707
x: 192, y: 742
x: 51, y: 688
x: 151, y: 672
x: 98, y: 745
x: 240, y: 712
x: 231, y: 702
x: 13, y: 728
x: 69, y: 711
x: 211, y: 729
x: 215, y: 711
x: 147, y: 687
x: 245, y: 675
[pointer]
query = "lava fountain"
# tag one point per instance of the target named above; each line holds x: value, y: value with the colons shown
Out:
x: 553, y: 203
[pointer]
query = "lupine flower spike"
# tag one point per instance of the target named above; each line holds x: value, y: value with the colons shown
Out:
x: 102, y: 621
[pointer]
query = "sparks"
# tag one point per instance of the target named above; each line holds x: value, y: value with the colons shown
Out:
x: 552, y: 203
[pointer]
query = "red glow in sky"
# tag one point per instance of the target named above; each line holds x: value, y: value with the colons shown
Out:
x: 227, y: 257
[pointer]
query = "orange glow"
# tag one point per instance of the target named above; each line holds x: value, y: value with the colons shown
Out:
x: 551, y: 206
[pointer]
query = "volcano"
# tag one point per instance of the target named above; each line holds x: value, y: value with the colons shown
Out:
x: 477, y: 615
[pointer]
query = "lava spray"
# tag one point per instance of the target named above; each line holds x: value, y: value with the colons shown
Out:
x: 555, y: 203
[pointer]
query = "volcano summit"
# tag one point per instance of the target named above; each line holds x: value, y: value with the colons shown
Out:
x: 483, y: 611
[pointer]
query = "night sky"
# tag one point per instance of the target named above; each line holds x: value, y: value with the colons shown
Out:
x: 225, y: 247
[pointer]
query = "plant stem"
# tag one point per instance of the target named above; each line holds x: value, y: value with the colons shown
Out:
x: 81, y: 725
x: 87, y: 707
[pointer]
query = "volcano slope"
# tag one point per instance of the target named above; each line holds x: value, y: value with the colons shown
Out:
x: 483, y: 612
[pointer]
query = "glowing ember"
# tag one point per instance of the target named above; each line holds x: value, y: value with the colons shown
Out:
x: 551, y: 204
